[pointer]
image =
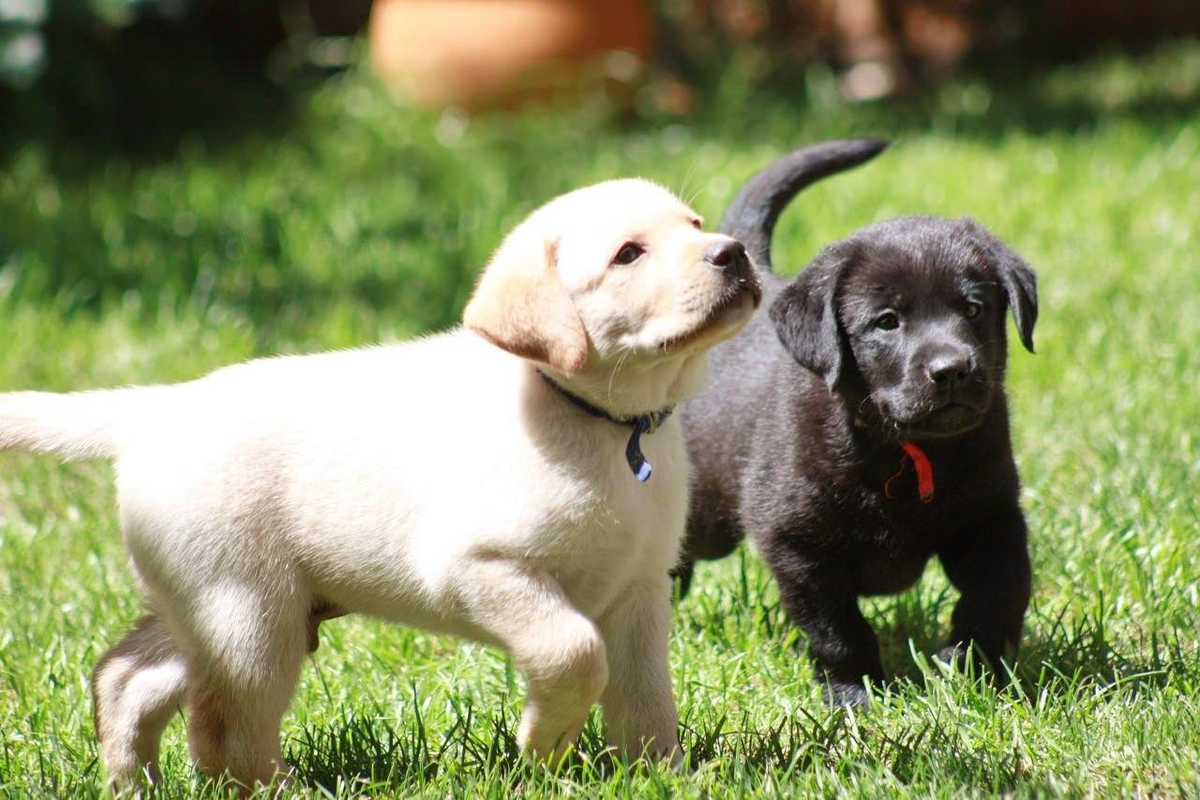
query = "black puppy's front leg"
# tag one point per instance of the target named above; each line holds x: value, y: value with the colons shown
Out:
x: 990, y: 567
x: 822, y: 600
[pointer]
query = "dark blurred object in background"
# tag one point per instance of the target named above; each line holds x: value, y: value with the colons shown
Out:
x: 465, y: 51
x: 315, y: 31
x: 34, y: 31
x: 137, y: 74
x: 888, y: 46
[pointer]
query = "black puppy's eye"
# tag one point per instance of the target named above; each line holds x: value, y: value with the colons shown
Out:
x: 629, y: 253
x: 887, y: 321
x: 973, y: 309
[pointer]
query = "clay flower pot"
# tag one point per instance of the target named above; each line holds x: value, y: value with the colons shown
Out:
x: 483, y: 52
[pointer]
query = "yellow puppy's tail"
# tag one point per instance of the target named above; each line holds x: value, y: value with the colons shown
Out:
x: 76, y: 425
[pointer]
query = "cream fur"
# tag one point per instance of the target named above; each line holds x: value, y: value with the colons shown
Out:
x: 439, y: 483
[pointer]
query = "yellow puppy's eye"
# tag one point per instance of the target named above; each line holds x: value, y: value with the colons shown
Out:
x: 697, y: 223
x: 629, y: 253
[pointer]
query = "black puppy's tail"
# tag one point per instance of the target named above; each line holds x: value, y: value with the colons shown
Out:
x: 752, y: 215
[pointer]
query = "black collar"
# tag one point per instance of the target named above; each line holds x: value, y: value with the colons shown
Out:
x: 642, y: 424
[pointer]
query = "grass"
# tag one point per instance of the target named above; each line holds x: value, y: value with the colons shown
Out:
x: 360, y: 222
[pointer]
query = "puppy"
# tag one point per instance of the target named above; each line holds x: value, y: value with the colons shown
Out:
x: 861, y: 427
x: 488, y: 482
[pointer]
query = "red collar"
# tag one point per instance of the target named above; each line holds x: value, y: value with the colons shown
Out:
x: 924, y: 473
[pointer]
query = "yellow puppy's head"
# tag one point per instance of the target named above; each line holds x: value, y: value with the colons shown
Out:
x: 620, y: 272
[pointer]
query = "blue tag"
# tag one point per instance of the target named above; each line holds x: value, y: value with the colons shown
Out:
x: 646, y: 423
x: 643, y: 474
x: 633, y: 451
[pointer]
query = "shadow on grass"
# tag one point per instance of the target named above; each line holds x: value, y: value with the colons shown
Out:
x: 363, y: 753
x: 1058, y: 655
x: 360, y: 754
x: 928, y: 725
x: 991, y: 104
x: 1081, y: 656
x: 373, y: 753
x: 137, y: 92
x: 1062, y: 650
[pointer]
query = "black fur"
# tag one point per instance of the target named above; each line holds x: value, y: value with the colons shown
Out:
x: 756, y: 209
x: 800, y: 427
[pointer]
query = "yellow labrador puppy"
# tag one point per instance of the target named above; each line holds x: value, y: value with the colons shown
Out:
x: 518, y: 482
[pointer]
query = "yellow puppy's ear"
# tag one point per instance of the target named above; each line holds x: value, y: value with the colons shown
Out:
x: 521, y: 305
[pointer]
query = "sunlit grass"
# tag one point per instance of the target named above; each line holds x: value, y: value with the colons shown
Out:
x: 365, y: 223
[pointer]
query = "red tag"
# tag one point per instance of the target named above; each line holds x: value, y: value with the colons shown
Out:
x: 924, y: 473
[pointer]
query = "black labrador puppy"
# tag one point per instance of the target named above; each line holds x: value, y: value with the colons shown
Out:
x: 859, y: 427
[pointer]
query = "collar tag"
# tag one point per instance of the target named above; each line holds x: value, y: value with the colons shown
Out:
x: 643, y: 424
x: 647, y: 423
x: 924, y: 468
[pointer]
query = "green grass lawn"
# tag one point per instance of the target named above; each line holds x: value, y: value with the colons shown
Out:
x: 360, y: 222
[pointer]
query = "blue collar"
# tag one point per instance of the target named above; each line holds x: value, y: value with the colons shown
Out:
x: 642, y: 424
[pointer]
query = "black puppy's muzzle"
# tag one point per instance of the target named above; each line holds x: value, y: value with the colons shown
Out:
x: 947, y: 392
x: 955, y: 379
x: 729, y: 258
x: 948, y: 372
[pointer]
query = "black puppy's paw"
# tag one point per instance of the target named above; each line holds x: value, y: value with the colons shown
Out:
x: 965, y: 658
x: 954, y: 655
x: 681, y: 578
x: 840, y: 694
x: 971, y: 660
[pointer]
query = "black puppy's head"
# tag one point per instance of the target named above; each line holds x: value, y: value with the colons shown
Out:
x: 906, y: 320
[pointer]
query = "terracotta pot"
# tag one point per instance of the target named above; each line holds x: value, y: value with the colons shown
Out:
x: 482, y: 52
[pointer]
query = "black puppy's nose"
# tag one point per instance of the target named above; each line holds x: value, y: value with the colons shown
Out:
x: 729, y: 256
x: 949, y: 371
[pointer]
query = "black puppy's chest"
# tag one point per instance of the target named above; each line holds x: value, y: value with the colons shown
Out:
x: 893, y: 544
x: 887, y: 532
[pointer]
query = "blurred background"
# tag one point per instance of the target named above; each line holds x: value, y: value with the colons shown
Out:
x: 283, y: 162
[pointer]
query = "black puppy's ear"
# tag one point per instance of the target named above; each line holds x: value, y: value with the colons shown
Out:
x: 1016, y: 277
x: 805, y: 316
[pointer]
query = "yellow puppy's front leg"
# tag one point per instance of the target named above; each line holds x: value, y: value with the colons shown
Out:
x: 558, y: 648
x: 639, y: 707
